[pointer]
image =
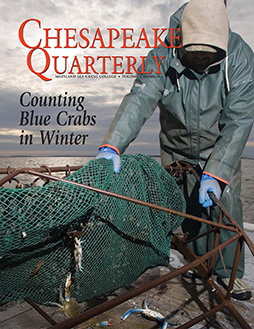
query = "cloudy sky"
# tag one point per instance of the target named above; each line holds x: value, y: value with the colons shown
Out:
x: 102, y: 95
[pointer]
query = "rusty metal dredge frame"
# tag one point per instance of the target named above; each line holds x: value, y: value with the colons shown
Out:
x: 178, y: 243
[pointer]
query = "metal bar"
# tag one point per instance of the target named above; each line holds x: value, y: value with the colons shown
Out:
x: 69, y: 323
x: 42, y: 169
x: 201, y: 235
x: 39, y: 174
x: 202, y: 317
x: 234, y: 268
x: 233, y: 221
x: 108, y: 193
x: 12, y: 175
x: 188, y: 253
x: 242, y: 322
x: 126, y: 198
x: 216, y: 242
x: 39, y: 310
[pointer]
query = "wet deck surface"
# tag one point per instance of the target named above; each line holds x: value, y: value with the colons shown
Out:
x: 179, y: 300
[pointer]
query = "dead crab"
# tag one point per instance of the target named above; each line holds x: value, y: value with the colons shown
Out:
x: 149, y: 314
x: 68, y: 304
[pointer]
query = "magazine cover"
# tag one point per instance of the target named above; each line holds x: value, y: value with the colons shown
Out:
x: 67, y: 70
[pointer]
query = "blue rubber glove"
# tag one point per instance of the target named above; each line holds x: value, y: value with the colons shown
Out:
x: 110, y: 154
x: 208, y: 184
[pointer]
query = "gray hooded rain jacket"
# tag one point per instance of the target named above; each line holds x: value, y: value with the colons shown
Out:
x: 205, y: 118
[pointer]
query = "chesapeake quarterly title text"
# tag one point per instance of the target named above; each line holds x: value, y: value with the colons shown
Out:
x: 71, y: 38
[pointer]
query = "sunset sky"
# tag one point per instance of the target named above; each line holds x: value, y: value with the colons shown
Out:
x: 102, y: 95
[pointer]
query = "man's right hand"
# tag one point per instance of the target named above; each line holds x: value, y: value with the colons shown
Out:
x: 110, y: 154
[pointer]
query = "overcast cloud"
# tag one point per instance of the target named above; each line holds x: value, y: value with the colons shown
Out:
x: 103, y: 96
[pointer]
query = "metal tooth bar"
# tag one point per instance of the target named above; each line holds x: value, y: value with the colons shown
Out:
x: 42, y: 169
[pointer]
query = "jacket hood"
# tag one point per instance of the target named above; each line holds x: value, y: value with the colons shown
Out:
x: 206, y: 23
x: 202, y: 22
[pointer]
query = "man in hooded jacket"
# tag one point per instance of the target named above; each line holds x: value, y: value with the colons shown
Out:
x: 206, y: 99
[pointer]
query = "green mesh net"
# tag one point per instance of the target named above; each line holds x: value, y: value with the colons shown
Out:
x: 118, y: 239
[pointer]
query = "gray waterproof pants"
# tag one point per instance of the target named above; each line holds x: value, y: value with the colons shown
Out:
x: 230, y: 198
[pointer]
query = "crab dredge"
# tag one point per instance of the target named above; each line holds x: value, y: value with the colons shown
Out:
x: 104, y: 242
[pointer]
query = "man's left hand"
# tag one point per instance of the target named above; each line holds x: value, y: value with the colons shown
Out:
x: 208, y: 184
